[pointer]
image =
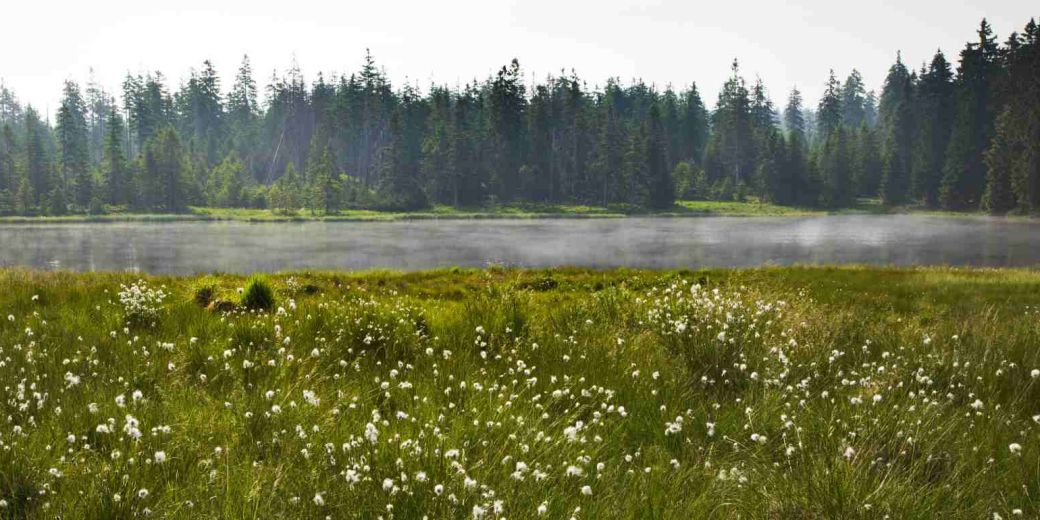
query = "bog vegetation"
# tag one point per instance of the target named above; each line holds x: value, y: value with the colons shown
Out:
x: 963, y: 139
x: 772, y: 393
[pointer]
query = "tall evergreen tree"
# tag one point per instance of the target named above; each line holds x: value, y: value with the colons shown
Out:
x: 999, y: 196
x: 114, y: 167
x: 661, y: 188
x: 830, y: 114
x: 507, y: 109
x: 836, y: 167
x: 37, y: 161
x: 1015, y: 149
x: 693, y: 124
x: 897, y: 122
x: 964, y: 172
x: 165, y: 173
x: 74, y: 159
x: 853, y: 101
x: 934, y: 119
x: 401, y: 186
x: 731, y: 149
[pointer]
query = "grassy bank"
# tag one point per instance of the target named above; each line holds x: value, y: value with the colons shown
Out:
x: 686, y: 208
x: 768, y: 393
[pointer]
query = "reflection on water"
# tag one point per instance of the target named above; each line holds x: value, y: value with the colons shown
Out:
x: 188, y: 247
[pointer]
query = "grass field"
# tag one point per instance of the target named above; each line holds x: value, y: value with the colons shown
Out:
x: 767, y: 393
x: 683, y: 208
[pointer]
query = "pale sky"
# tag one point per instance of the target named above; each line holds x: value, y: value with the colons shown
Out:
x: 786, y: 43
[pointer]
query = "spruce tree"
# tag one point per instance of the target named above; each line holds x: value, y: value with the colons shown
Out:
x: 166, y: 172
x: 853, y: 101
x: 400, y: 184
x: 693, y: 126
x: 1016, y: 143
x: 829, y: 115
x: 325, y: 185
x: 934, y: 119
x: 114, y: 168
x: 896, y: 124
x: 74, y: 158
x: 37, y: 161
x: 731, y: 151
x: 661, y: 187
x: 964, y: 172
x: 998, y: 197
x: 836, y: 168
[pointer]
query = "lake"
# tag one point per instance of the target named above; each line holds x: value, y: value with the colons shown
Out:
x: 240, y: 247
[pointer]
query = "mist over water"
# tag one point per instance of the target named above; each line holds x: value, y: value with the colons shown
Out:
x: 192, y: 247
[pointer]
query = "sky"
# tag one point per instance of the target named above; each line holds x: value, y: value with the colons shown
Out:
x: 786, y: 43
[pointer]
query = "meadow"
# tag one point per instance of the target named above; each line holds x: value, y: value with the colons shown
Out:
x: 498, y: 393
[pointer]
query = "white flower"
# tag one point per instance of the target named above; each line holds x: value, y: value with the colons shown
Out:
x: 586, y: 490
x: 543, y: 508
x: 160, y: 457
x: 319, y: 500
x: 849, y: 453
x: 142, y: 493
x: 1015, y: 448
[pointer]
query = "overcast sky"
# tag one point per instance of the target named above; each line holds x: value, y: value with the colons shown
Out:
x: 786, y: 43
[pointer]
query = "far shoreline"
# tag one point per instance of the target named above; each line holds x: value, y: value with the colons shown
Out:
x: 682, y: 209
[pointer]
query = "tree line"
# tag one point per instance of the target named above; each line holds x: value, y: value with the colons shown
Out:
x: 963, y: 139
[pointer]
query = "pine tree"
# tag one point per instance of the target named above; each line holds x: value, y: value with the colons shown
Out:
x: 731, y: 150
x: 837, y: 170
x: 794, y: 115
x: 285, y: 193
x: 934, y: 119
x: 8, y: 152
x: 74, y: 158
x: 9, y: 178
x: 437, y: 165
x: 896, y: 113
x: 1015, y: 148
x: 166, y: 172
x: 508, y: 106
x: 693, y: 126
x: 114, y: 168
x: 325, y: 185
x: 998, y: 198
x: 243, y: 112
x: 867, y: 163
x: 829, y: 115
x: 609, y: 148
x: 661, y: 188
x: 37, y: 162
x: 964, y: 172
x: 854, y: 101
x: 400, y: 184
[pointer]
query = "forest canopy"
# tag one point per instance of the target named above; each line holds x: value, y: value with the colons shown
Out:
x: 959, y: 136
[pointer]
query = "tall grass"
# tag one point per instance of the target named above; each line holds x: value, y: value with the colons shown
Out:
x: 770, y: 393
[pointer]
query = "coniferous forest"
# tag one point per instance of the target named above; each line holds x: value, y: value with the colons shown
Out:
x: 959, y: 133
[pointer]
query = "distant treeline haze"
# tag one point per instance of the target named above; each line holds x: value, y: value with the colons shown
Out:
x: 960, y: 140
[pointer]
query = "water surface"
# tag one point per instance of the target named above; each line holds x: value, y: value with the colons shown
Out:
x: 191, y: 247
